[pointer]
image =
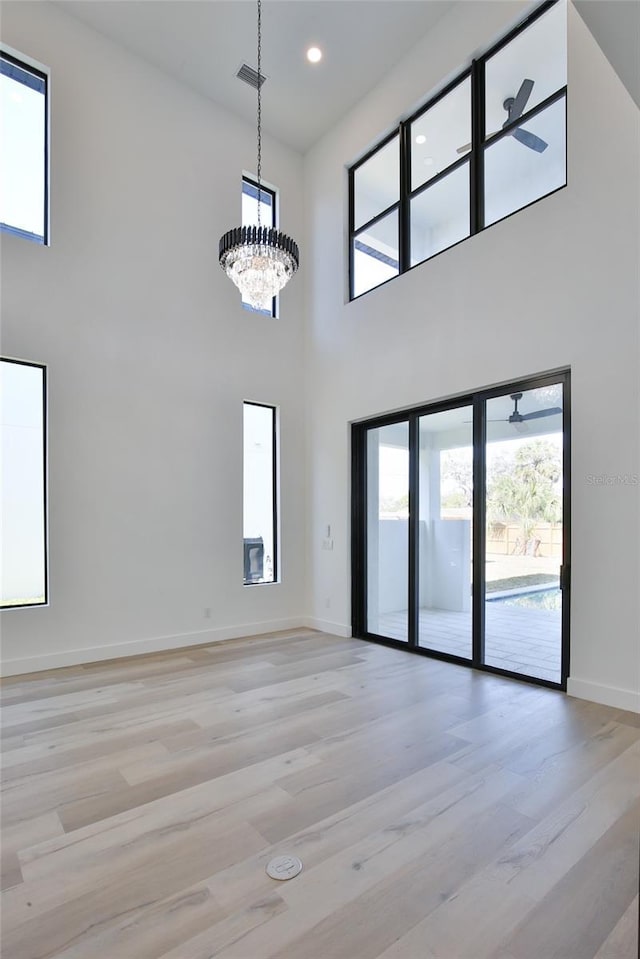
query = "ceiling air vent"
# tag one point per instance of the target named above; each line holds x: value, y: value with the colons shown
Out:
x: 250, y: 76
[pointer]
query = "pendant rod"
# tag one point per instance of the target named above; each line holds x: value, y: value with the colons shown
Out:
x: 259, y: 107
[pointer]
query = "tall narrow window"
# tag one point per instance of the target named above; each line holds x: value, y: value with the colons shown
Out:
x: 267, y: 207
x: 23, y: 153
x: 23, y: 502
x: 260, y: 486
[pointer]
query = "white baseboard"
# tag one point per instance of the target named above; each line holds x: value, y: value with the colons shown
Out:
x: 96, y: 654
x: 324, y: 626
x: 607, y: 695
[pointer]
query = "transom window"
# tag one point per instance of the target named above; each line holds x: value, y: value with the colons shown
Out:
x: 23, y: 150
x: 489, y: 144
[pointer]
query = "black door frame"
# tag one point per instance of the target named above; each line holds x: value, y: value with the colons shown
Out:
x: 477, y: 400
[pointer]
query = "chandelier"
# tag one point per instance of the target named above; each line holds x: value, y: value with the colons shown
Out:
x: 260, y: 260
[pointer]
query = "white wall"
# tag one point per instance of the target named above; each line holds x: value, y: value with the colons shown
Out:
x: 149, y: 358
x: 150, y: 355
x: 555, y: 285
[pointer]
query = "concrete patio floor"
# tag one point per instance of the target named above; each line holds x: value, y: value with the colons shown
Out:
x: 519, y: 639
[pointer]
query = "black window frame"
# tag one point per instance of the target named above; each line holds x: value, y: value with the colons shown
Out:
x: 474, y: 158
x: 45, y: 491
x: 462, y: 161
x: 395, y: 206
x: 476, y: 399
x: 273, y: 313
x: 275, y: 496
x: 43, y: 77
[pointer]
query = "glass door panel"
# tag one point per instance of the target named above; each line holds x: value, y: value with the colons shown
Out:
x: 524, y: 532
x: 387, y: 519
x: 445, y: 524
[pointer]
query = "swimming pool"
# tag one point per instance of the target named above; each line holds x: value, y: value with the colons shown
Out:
x: 540, y: 599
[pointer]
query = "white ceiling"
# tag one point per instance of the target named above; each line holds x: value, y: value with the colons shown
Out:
x: 203, y: 42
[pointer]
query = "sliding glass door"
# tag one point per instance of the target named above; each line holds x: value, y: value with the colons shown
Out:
x: 445, y: 511
x: 388, y: 531
x: 524, y: 532
x: 460, y: 541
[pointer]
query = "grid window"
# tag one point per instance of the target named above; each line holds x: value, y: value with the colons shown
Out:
x: 23, y: 149
x: 376, y: 183
x: 440, y: 215
x: 375, y: 254
x: 491, y: 143
x: 375, y: 196
x: 524, y: 85
x: 441, y: 135
x: 23, y: 499
x: 439, y: 204
x: 260, y: 494
x: 266, y: 204
x: 539, y: 54
x: 529, y: 164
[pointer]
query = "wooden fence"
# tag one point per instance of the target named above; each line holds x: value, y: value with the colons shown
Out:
x: 508, y: 540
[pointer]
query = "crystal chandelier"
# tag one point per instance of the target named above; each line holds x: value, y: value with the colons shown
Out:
x: 260, y: 260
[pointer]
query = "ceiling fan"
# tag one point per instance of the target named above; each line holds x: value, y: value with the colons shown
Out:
x: 518, y: 417
x: 515, y: 108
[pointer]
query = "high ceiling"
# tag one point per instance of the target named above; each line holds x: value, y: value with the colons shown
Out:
x: 203, y: 43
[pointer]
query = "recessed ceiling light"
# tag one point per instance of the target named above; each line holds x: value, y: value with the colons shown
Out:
x: 421, y: 138
x: 314, y: 54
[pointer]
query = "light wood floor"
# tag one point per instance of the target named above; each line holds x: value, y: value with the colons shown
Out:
x: 438, y: 812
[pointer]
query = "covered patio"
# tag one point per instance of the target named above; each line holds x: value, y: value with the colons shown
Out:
x: 522, y: 640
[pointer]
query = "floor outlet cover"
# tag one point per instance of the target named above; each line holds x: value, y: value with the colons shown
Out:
x: 284, y: 867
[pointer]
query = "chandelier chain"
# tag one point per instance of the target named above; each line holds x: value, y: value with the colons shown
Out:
x: 259, y: 107
x: 259, y: 260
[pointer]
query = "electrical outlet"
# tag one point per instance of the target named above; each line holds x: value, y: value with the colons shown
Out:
x: 327, y: 603
x: 207, y: 612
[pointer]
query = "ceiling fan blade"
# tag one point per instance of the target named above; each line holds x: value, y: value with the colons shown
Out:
x: 464, y: 149
x: 521, y: 99
x: 538, y: 414
x: 530, y: 140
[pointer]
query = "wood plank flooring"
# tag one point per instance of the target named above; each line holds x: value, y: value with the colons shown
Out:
x: 439, y: 813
